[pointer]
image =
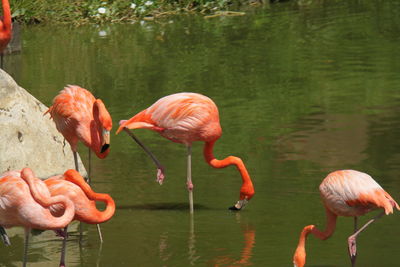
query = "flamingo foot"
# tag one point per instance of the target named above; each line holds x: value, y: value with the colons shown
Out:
x: 5, y: 238
x: 61, y: 233
x: 352, y: 248
x: 160, y: 176
x: 239, y: 205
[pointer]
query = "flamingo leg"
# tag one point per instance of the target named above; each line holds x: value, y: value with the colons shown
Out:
x: 189, y: 177
x: 63, y: 249
x: 27, y: 231
x: 90, y: 166
x: 355, y: 223
x: 353, y: 259
x: 4, y: 236
x: 192, y: 243
x: 80, y: 223
x: 99, y: 232
x: 160, y: 168
x: 352, y: 239
x: 76, y: 161
x: 88, y: 181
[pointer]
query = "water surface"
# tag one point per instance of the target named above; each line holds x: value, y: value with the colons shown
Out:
x: 302, y: 90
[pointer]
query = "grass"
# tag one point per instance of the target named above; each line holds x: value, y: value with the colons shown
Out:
x: 101, y: 11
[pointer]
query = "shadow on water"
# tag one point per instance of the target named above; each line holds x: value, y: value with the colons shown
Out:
x: 162, y: 206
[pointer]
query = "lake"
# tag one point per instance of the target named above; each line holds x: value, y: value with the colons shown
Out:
x: 302, y: 88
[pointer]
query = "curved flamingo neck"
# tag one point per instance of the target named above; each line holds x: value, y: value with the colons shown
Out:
x: 101, y: 115
x: 6, y: 16
x: 100, y: 130
x: 299, y: 258
x: 247, y: 189
x: 100, y: 216
x: 47, y: 201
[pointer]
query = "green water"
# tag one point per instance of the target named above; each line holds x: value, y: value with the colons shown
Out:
x: 302, y: 90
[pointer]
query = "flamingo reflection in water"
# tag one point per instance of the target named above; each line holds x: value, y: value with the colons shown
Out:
x: 249, y: 235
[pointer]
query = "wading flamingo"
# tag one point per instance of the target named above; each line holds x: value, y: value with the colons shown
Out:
x: 25, y: 201
x: 72, y: 185
x: 5, y: 29
x: 79, y: 116
x: 346, y: 193
x: 185, y: 118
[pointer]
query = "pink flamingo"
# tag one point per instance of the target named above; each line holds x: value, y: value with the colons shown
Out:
x: 72, y: 185
x: 5, y: 37
x: 25, y: 201
x: 185, y: 118
x: 5, y: 29
x: 79, y: 116
x: 346, y: 193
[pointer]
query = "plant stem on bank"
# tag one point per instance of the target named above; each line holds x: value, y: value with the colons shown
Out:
x: 101, y: 11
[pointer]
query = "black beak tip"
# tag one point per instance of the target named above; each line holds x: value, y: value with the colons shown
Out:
x: 233, y: 208
x: 104, y: 148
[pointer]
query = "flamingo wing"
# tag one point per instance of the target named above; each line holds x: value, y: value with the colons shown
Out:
x: 183, y: 111
x: 72, y: 107
x: 181, y: 117
x: 353, y: 193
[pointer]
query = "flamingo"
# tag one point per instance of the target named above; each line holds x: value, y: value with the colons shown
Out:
x: 72, y: 185
x: 346, y: 193
x: 25, y: 201
x: 185, y: 118
x: 79, y: 116
x: 5, y: 37
x: 5, y: 29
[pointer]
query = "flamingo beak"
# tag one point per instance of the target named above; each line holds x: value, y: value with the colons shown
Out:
x: 121, y: 126
x: 239, y: 205
x: 106, y: 141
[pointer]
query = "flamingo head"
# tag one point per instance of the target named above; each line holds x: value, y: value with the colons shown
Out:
x: 104, y: 125
x: 122, y: 124
x: 246, y: 193
x: 299, y: 258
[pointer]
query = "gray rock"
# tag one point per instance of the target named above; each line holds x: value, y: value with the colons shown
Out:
x: 27, y: 138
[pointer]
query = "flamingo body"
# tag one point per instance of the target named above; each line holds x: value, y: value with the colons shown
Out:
x: 25, y: 201
x: 346, y: 193
x: 27, y: 204
x: 185, y: 118
x: 79, y: 116
x: 354, y: 193
x: 5, y: 26
x: 181, y: 118
x: 72, y: 185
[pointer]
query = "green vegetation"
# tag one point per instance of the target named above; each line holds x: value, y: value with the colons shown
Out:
x: 100, y: 11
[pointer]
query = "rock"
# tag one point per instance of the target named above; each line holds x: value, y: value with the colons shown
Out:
x: 27, y: 138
